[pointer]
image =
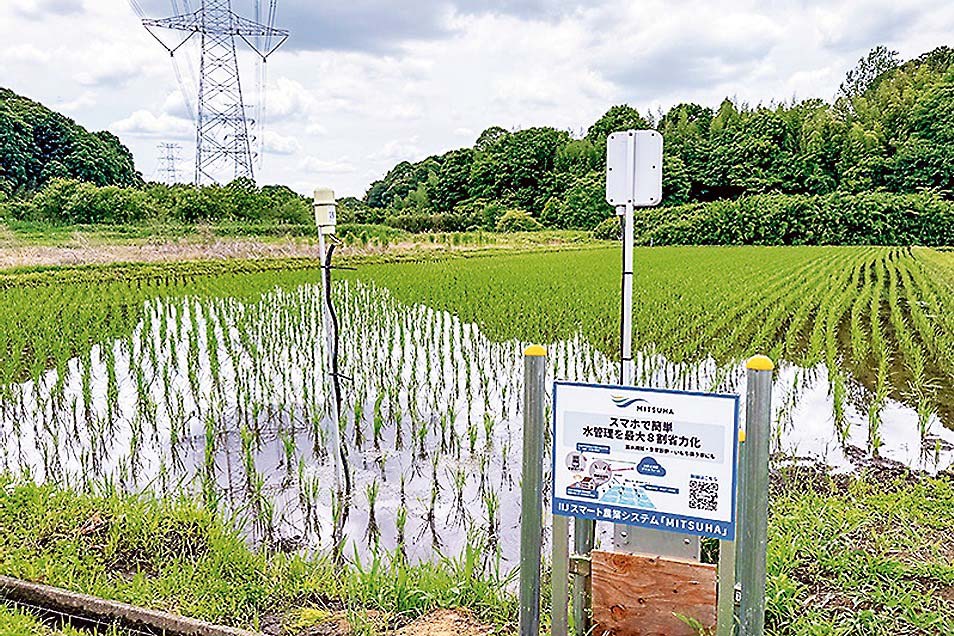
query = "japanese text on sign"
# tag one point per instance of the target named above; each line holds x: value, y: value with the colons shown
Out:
x: 659, y: 459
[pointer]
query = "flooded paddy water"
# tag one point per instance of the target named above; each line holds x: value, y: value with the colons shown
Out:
x: 224, y: 398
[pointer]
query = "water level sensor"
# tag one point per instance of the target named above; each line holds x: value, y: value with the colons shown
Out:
x: 325, y: 213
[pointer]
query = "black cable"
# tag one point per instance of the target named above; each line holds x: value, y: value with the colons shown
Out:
x: 335, y: 377
x: 622, y: 303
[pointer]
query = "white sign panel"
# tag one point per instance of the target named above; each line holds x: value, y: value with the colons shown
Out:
x: 634, y: 168
x: 658, y: 459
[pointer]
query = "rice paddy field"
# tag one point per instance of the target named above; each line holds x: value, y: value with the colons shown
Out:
x: 209, y: 380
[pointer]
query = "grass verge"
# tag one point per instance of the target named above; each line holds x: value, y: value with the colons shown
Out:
x: 176, y: 556
x: 866, y: 554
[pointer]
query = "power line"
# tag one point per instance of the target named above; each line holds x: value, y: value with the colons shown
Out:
x: 222, y: 127
x: 263, y: 94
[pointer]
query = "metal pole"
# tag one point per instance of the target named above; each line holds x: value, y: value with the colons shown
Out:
x: 726, y: 614
x: 531, y: 486
x: 739, y: 524
x: 725, y: 610
x: 753, y: 536
x: 560, y: 576
x: 628, y: 538
x: 621, y: 533
x: 584, y: 534
x: 626, y: 318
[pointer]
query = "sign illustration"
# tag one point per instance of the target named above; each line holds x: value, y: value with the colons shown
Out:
x: 653, y: 458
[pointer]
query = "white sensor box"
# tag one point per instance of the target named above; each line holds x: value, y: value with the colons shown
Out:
x: 325, y: 212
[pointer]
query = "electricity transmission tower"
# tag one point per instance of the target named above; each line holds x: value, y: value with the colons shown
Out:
x: 221, y: 135
x: 167, y: 171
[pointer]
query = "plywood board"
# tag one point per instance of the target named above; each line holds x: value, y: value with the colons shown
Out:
x: 640, y: 595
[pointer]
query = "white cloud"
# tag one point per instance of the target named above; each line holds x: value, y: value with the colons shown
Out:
x: 357, y: 95
x: 315, y: 128
x: 287, y: 99
x: 26, y: 54
x: 115, y: 73
x: 280, y: 144
x: 397, y: 150
x: 321, y: 166
x: 144, y: 123
x: 84, y: 100
x: 175, y: 105
x: 39, y: 9
x: 112, y: 63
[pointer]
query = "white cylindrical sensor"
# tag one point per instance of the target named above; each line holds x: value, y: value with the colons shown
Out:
x: 325, y: 213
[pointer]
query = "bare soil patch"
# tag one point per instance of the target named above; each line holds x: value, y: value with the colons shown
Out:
x: 458, y: 622
x: 446, y: 623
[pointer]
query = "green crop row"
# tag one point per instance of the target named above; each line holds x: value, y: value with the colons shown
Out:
x: 880, y: 314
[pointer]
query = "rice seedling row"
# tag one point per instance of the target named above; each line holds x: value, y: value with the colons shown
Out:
x: 214, y: 384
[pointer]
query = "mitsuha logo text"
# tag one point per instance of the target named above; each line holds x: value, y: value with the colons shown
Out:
x: 641, y: 405
x: 622, y: 401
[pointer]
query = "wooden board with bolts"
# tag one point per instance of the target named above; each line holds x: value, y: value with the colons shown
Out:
x: 642, y: 595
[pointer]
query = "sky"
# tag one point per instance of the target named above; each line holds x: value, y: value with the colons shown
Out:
x: 363, y: 84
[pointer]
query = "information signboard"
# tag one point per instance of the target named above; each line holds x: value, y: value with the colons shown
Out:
x: 653, y: 458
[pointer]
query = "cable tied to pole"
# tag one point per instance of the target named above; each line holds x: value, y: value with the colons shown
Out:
x: 335, y: 376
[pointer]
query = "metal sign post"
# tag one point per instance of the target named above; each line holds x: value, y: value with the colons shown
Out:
x: 666, y: 467
x: 531, y: 486
x: 753, y: 539
x: 634, y: 159
x: 634, y: 178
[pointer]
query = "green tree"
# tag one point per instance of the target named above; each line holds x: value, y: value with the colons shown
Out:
x: 452, y: 184
x: 620, y: 117
x: 868, y: 71
x: 926, y: 159
x: 576, y: 158
x: 38, y: 145
x: 582, y: 207
x: 516, y: 168
x: 489, y: 138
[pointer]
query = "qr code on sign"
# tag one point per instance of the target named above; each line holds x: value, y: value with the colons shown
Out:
x: 703, y: 495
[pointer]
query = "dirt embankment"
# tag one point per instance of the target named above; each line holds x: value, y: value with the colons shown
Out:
x: 80, y: 248
x: 459, y: 622
x: 90, y: 254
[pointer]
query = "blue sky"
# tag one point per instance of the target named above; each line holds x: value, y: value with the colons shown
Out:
x: 364, y: 84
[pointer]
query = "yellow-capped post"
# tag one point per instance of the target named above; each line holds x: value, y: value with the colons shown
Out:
x: 760, y: 363
x: 753, y: 499
x: 531, y: 486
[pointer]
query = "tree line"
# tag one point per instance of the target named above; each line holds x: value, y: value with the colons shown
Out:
x: 888, y: 135
x: 889, y: 129
x: 69, y: 201
x: 38, y: 145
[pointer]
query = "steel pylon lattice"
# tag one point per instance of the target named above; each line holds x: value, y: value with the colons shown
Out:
x: 221, y: 124
x: 167, y: 169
